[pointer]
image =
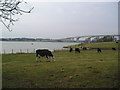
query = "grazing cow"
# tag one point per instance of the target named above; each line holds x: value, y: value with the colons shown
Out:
x: 84, y: 48
x: 70, y: 49
x: 44, y: 53
x: 98, y: 50
x: 77, y: 50
x: 113, y: 48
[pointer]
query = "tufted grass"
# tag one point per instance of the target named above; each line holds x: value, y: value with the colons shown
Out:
x: 98, y: 45
x: 87, y: 69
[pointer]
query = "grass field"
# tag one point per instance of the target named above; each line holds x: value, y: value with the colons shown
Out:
x: 99, y: 44
x: 87, y: 69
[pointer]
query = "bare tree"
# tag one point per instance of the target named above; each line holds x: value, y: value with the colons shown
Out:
x: 10, y: 8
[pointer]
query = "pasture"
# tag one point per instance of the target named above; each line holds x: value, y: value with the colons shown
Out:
x: 99, y: 44
x: 87, y: 69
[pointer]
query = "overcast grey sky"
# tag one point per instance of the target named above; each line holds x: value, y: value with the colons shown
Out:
x: 66, y: 19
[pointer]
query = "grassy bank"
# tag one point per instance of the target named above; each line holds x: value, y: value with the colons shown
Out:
x: 98, y: 45
x: 87, y: 69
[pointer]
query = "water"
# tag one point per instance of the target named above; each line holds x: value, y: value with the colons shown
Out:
x: 19, y: 46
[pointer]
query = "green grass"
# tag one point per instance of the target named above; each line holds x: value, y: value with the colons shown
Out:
x: 99, y: 44
x: 103, y: 45
x: 87, y: 69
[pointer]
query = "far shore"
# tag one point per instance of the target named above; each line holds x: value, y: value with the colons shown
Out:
x: 40, y: 41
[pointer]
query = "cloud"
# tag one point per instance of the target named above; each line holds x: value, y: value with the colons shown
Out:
x: 65, y: 19
x: 72, y: 0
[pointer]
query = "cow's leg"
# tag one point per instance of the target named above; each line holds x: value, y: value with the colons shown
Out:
x: 40, y: 58
x: 47, y: 58
x: 36, y: 57
x: 53, y: 58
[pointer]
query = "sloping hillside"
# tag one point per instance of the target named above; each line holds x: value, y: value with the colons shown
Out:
x: 99, y: 44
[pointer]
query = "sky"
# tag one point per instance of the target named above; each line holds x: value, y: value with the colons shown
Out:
x: 57, y: 20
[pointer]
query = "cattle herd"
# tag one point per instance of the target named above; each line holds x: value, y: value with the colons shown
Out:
x: 85, y: 48
x: 48, y: 54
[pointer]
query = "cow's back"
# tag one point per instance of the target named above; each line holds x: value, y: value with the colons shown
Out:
x: 44, y: 52
x: 77, y: 50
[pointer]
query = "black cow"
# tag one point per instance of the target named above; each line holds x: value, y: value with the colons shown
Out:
x: 84, y: 48
x: 77, y: 50
x: 70, y: 49
x: 113, y: 48
x: 44, y: 53
x: 98, y: 50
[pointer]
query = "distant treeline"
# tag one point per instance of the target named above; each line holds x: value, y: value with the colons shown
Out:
x: 22, y: 39
x: 96, y: 39
x: 30, y: 39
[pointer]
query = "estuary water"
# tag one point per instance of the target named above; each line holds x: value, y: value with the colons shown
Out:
x: 29, y: 47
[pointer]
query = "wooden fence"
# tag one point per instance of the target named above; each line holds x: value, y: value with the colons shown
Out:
x: 12, y: 51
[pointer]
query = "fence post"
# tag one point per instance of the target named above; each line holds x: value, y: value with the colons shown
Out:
x: 12, y: 51
x: 4, y: 51
x: 20, y: 50
x: 27, y: 51
x: 34, y: 50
